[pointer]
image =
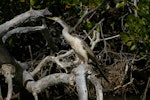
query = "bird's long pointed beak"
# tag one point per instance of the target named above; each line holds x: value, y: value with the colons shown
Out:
x: 51, y: 18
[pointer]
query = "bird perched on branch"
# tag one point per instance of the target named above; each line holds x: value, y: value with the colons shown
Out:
x: 82, y: 50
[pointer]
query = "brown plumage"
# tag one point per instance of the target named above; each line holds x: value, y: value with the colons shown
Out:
x: 79, y: 46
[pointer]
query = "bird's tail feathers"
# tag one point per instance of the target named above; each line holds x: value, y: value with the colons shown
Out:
x: 102, y: 72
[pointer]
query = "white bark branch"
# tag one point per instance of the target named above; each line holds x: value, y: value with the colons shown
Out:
x: 41, y: 64
x: 98, y: 87
x: 78, y: 76
x: 96, y: 35
x: 53, y: 59
x: 95, y: 41
x: 80, y: 73
x: 22, y: 18
x: 22, y: 30
x: 36, y: 87
x: 7, y: 70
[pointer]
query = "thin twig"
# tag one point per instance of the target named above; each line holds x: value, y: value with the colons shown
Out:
x: 80, y: 20
x: 122, y: 23
x: 87, y: 13
x: 53, y: 59
x: 95, y: 41
x: 109, y: 38
x: 135, y: 11
x: 146, y: 89
x: 31, y: 55
x: 102, y: 35
x: 96, y: 25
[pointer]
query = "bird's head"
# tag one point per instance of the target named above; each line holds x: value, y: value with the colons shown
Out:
x: 59, y: 20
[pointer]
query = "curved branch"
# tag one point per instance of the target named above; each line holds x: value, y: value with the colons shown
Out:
x: 22, y: 30
x: 22, y: 18
x: 53, y: 79
x: 53, y: 59
x: 98, y: 87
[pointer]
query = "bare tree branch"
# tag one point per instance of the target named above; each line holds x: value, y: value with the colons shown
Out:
x: 7, y: 71
x: 80, y: 79
x: 36, y: 87
x: 22, y: 18
x: 22, y: 30
x: 53, y: 59
x: 80, y: 20
x: 87, y: 13
x: 98, y: 87
x: 96, y: 25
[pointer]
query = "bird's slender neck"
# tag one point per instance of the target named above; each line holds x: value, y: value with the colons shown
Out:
x: 67, y: 36
x: 63, y: 24
x: 65, y: 31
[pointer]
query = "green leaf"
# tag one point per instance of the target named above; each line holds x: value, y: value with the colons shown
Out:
x: 142, y: 53
x: 32, y: 2
x: 129, y: 43
x: 126, y: 25
x: 146, y: 37
x: 130, y: 18
x: 124, y: 37
x: 133, y: 47
x: 119, y: 5
x: 89, y: 25
x: 141, y: 21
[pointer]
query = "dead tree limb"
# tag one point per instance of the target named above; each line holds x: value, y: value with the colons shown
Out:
x: 7, y: 70
x: 10, y: 27
x: 98, y: 87
x: 31, y: 15
x: 36, y: 87
x: 80, y: 73
x: 22, y: 30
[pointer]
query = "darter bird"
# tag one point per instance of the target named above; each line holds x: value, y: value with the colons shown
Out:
x: 79, y: 46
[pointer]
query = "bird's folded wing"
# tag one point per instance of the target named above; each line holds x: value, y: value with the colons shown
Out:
x: 88, y: 49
